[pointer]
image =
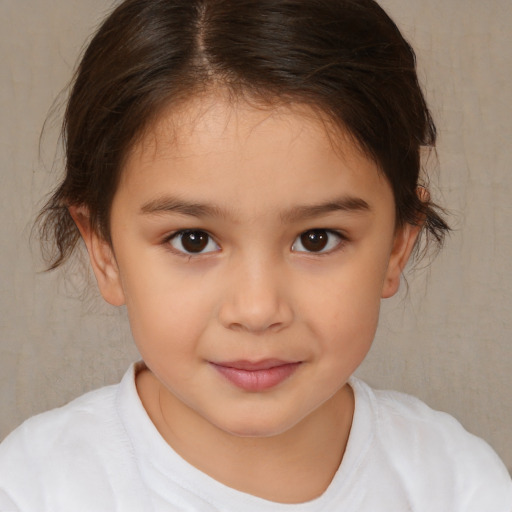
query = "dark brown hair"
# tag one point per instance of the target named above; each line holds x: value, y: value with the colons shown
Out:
x: 344, y: 57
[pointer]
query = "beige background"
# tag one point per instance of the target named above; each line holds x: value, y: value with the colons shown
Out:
x: 447, y: 341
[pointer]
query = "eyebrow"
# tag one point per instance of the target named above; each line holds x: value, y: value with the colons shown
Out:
x: 343, y: 204
x: 166, y: 204
x: 176, y: 205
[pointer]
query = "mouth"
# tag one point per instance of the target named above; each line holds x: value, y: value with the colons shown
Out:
x: 256, y: 376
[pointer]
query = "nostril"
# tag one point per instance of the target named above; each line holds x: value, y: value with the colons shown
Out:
x: 254, y: 301
x: 244, y: 327
x: 236, y: 317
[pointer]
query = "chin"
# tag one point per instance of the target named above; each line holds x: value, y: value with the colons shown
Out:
x: 259, y: 427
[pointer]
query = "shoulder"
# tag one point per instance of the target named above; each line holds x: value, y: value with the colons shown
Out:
x: 74, y: 421
x: 56, y: 437
x: 74, y: 451
x: 429, y: 449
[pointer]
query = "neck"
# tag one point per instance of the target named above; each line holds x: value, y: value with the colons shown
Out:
x: 293, y: 467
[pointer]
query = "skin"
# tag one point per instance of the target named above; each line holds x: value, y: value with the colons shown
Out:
x: 266, y: 176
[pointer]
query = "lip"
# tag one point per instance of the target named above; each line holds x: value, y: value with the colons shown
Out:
x: 256, y: 376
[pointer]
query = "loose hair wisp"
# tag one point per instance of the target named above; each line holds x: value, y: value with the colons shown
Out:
x: 345, y: 58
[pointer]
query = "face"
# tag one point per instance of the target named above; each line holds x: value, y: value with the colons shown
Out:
x: 252, y: 255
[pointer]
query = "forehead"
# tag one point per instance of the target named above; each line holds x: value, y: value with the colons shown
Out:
x: 224, y: 122
x: 247, y: 154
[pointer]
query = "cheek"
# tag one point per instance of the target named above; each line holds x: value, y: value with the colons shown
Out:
x: 346, y: 335
x: 344, y: 311
x: 351, y: 292
x: 167, y: 313
x: 348, y: 331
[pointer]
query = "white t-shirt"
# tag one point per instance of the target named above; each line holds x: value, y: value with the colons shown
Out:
x: 102, y: 453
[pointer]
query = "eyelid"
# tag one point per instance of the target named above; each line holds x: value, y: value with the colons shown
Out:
x: 177, y: 235
x: 341, y: 239
x: 331, y: 245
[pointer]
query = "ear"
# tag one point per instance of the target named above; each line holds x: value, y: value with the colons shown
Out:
x: 102, y: 258
x: 403, y: 244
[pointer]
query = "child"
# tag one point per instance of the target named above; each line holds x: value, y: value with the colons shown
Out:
x: 245, y: 176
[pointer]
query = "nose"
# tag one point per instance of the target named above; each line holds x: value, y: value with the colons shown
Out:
x: 257, y: 298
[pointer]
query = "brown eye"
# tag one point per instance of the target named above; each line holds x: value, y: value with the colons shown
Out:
x: 193, y: 242
x: 316, y: 240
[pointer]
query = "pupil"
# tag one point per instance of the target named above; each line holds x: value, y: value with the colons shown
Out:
x: 314, y: 240
x: 194, y: 241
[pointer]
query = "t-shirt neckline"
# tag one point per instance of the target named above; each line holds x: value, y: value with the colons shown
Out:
x: 159, y: 465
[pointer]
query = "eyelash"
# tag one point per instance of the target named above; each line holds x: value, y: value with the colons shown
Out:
x: 179, y: 235
x: 310, y: 236
x: 203, y: 237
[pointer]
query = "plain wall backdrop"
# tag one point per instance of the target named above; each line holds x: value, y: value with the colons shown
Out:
x: 447, y: 340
